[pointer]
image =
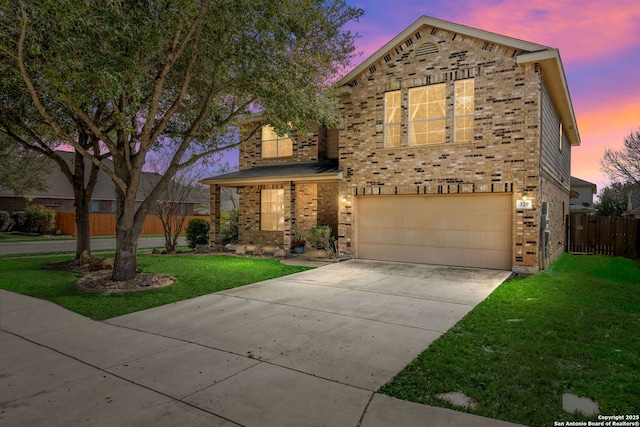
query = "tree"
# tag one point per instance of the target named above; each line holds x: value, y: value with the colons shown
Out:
x: 614, y: 199
x: 171, y: 206
x: 173, y: 73
x: 624, y: 165
x: 21, y: 171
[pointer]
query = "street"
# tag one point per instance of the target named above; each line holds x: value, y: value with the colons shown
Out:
x: 8, y: 248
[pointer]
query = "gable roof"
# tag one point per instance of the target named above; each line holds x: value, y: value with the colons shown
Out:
x: 577, y: 182
x: 546, y: 57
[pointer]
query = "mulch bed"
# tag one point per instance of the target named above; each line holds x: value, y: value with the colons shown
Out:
x: 100, y: 281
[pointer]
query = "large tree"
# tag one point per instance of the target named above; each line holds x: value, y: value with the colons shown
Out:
x: 21, y: 171
x: 179, y: 73
x: 623, y: 165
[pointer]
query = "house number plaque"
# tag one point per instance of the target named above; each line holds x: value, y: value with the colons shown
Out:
x: 524, y: 204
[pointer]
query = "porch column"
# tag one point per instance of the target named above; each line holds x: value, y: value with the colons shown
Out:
x: 214, y: 209
x: 289, y: 214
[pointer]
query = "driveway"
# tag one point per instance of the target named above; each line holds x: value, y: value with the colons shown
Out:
x: 307, y: 349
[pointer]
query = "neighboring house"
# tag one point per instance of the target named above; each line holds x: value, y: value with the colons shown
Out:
x: 455, y: 149
x: 59, y: 196
x: 582, y: 193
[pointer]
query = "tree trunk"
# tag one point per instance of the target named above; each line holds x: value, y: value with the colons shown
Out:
x: 126, y: 263
x: 129, y: 222
x: 83, y: 240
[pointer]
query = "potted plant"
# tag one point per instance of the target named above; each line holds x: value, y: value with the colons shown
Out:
x: 297, y: 245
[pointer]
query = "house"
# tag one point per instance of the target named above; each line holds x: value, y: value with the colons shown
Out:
x: 59, y: 196
x: 455, y: 149
x: 582, y: 193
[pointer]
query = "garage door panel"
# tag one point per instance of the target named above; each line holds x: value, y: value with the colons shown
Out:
x: 466, y: 230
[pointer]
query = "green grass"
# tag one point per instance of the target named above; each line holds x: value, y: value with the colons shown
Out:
x: 195, y: 276
x: 572, y: 329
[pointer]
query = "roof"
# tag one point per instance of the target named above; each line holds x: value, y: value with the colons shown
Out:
x: 577, y: 182
x: 59, y: 187
x: 546, y: 57
x: 323, y: 170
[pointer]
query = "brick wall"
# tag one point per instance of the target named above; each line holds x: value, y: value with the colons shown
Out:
x: 305, y: 149
x: 503, y: 156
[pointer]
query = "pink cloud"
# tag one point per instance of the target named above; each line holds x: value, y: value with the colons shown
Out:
x: 583, y: 30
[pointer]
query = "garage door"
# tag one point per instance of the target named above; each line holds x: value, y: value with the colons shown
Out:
x: 461, y: 230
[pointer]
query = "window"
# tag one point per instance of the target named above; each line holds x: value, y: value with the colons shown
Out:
x: 427, y: 114
x: 95, y: 206
x: 392, y: 118
x: 274, y: 145
x: 272, y: 210
x: 464, y: 108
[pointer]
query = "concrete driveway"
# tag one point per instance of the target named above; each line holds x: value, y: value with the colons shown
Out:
x: 306, y: 349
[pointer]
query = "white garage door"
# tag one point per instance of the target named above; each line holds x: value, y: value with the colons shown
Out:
x: 462, y: 230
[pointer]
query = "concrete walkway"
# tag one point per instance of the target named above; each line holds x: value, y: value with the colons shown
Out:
x: 306, y: 349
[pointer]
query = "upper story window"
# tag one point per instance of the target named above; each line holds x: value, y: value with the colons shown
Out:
x: 274, y: 145
x: 427, y: 114
x: 464, y: 110
x: 392, y: 118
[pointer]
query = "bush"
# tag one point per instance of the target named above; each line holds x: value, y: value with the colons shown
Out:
x: 320, y: 237
x: 19, y: 220
x: 39, y: 219
x: 4, y: 220
x: 197, y: 232
x: 229, y: 226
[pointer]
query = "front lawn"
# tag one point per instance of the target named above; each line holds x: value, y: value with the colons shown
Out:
x: 572, y: 329
x: 195, y: 276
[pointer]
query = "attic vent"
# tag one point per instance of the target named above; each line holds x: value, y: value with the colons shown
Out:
x: 426, y: 49
x: 409, y: 42
x: 434, y: 31
x: 488, y: 46
x: 387, y: 58
x: 372, y: 69
x: 418, y: 36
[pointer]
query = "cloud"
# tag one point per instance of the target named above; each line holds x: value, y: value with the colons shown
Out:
x: 583, y: 30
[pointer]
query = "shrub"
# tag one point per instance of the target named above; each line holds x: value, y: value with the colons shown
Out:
x: 4, y: 220
x: 197, y: 232
x: 19, y: 220
x: 320, y: 237
x: 229, y: 226
x: 40, y: 219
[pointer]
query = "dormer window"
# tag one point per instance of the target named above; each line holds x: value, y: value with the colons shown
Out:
x: 274, y: 145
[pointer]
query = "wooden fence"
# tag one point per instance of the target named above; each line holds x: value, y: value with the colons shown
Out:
x: 603, y: 235
x: 105, y: 224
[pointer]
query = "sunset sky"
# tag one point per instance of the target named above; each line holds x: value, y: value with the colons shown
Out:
x: 599, y: 44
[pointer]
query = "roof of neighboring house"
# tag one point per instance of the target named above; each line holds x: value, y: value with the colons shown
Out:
x: 59, y: 187
x: 547, y: 58
x: 577, y: 182
x: 301, y: 171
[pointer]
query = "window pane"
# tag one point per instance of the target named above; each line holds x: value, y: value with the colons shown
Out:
x: 464, y: 110
x: 268, y: 134
x: 268, y: 221
x: 272, y: 209
x: 392, y: 107
x: 269, y: 148
x: 392, y: 135
x: 285, y: 147
x: 429, y: 132
x: 464, y: 128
